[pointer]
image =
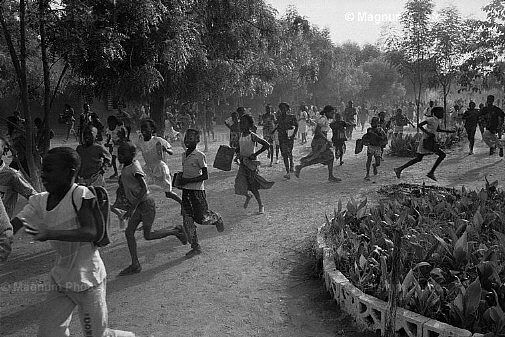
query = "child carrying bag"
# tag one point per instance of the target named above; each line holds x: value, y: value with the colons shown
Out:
x: 101, y: 211
x: 224, y: 158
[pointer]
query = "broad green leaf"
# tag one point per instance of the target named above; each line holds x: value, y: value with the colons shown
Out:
x: 477, y: 221
x: 363, y: 203
x: 461, y: 249
x: 472, y: 298
x: 501, y: 239
x: 422, y: 264
x: 362, y: 262
x: 407, y: 281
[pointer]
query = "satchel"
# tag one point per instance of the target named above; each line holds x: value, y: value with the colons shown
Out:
x: 359, y: 146
x: 224, y: 158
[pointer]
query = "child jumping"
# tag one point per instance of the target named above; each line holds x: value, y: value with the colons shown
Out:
x: 248, y: 178
x: 194, y: 199
x: 78, y: 278
x: 143, y: 207
x: 428, y: 144
x: 375, y: 137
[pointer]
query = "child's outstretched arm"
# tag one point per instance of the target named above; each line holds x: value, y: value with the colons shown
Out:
x: 264, y: 145
x: 85, y: 233
x: 421, y: 126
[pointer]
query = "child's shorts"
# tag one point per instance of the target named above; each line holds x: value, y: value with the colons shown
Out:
x: 194, y: 203
x: 145, y: 213
x: 373, y: 150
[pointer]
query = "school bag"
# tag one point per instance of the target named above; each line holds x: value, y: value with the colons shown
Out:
x: 359, y: 146
x: 101, y: 211
x: 224, y: 158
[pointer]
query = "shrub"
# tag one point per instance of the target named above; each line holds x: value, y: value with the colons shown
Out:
x: 452, y: 252
x: 405, y: 146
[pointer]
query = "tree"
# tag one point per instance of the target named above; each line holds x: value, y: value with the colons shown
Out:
x: 449, y: 35
x: 416, y: 45
x: 384, y: 81
x: 485, y: 45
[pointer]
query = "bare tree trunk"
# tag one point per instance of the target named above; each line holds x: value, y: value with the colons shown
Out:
x: 158, y: 112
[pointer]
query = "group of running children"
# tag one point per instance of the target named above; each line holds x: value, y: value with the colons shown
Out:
x: 63, y: 214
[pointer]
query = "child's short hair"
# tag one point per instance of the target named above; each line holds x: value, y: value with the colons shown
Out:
x: 128, y: 145
x: 91, y: 128
x: 438, y: 112
x: 248, y: 118
x: 284, y: 104
x: 374, y: 120
x: 68, y: 156
x: 327, y: 108
x: 112, y: 119
x: 197, y: 132
x: 149, y: 122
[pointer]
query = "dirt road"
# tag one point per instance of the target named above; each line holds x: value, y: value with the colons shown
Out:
x: 254, y: 279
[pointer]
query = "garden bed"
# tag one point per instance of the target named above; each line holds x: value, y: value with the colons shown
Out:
x: 452, y: 248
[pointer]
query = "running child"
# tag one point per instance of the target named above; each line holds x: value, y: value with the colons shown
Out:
x: 194, y: 199
x: 321, y: 147
x: 143, y: 207
x: 154, y: 150
x: 471, y: 119
x: 112, y: 142
x: 338, y: 138
x: 375, y: 138
x: 95, y: 159
x: 428, y: 144
x: 78, y: 278
x: 12, y: 182
x: 248, y: 178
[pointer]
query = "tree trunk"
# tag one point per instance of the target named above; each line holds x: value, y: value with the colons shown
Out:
x: 158, y: 112
x: 204, y: 128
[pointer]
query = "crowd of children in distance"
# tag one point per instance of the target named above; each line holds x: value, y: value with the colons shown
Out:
x: 63, y: 213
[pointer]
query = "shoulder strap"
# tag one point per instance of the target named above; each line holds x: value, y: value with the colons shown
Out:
x: 72, y: 197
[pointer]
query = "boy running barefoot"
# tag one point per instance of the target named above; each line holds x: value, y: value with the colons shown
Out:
x: 376, y: 138
x: 154, y: 150
x: 78, y: 278
x: 95, y: 158
x: 194, y: 199
x: 143, y: 207
x: 428, y: 145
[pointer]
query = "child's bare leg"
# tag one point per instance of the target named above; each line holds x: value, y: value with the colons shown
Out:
x: 368, y: 163
x: 132, y: 245
x: 256, y: 194
x: 114, y: 166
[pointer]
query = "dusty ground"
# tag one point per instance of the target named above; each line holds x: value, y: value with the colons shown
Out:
x: 254, y: 279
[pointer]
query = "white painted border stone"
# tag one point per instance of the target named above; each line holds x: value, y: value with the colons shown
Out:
x: 370, y: 312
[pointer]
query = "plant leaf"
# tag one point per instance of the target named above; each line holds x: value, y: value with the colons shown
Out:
x: 472, y: 298
x: 461, y: 249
